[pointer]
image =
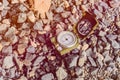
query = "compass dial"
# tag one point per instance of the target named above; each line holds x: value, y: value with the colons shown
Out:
x: 66, y: 39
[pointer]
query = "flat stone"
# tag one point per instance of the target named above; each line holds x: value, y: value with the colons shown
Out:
x: 114, y: 3
x: 7, y: 50
x: 88, y: 52
x: 12, y: 72
x: 3, y: 27
x: 22, y: 8
x: 21, y: 48
x: 5, y: 3
x: 65, y: 14
x: 115, y: 44
x: 22, y: 17
x: 107, y: 58
x: 8, y: 62
x: 93, y: 63
x: 102, y: 33
x: 31, y: 49
x: 31, y: 16
x: 61, y: 73
x: 59, y: 9
x: 38, y: 25
x: 103, y: 4
x: 1, y: 6
x: 10, y: 34
x: 6, y: 21
x: 48, y: 76
x: 98, y: 14
x: 74, y: 61
x: 118, y: 59
x: 45, y: 49
x: 4, y: 12
x: 38, y: 60
x: 111, y: 37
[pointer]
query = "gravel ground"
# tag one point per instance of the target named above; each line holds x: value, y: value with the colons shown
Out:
x: 26, y: 52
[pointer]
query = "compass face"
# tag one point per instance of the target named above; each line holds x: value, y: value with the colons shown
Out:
x: 66, y: 39
x: 84, y: 27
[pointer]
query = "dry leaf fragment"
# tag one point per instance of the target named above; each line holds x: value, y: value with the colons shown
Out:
x: 42, y: 6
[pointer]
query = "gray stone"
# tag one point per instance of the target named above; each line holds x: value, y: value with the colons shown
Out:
x: 94, y: 72
x: 107, y: 46
x: 61, y: 74
x: 118, y: 59
x: 22, y: 8
x: 72, y: 19
x: 92, y: 61
x: 107, y: 58
x: 102, y: 33
x: 12, y: 72
x: 4, y: 12
x: 38, y: 60
x: 103, y: 4
x: 7, y: 50
x: 74, y: 61
x: 98, y: 14
x: 5, y: 2
x: 31, y: 49
x: 45, y: 49
x: 115, y: 44
x: 88, y: 51
x: 38, y: 25
x: 48, y: 76
x: 59, y: 9
x: 8, y: 62
x: 111, y: 37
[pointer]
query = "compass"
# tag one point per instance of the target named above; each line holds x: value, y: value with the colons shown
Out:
x: 66, y: 39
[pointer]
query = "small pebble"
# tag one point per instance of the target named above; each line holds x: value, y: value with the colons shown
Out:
x: 38, y: 26
x: 48, y: 76
x: 22, y: 18
x: 115, y: 44
x: 61, y: 73
x: 38, y: 60
x: 8, y: 62
x: 31, y: 16
x: 31, y: 49
x: 21, y: 48
x: 74, y: 61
